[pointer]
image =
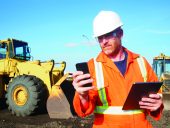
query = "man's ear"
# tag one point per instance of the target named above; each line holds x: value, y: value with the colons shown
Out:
x: 120, y: 33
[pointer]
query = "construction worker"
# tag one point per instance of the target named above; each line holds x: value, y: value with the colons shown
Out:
x: 112, y: 74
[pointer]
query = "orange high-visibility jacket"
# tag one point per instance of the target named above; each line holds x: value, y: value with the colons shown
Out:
x: 117, y: 88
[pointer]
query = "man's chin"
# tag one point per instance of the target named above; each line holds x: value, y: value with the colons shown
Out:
x: 108, y: 53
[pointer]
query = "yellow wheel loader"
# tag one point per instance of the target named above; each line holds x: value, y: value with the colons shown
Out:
x: 161, y: 66
x: 33, y: 86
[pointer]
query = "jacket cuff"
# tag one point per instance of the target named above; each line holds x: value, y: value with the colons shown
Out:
x: 79, y: 109
x: 157, y: 114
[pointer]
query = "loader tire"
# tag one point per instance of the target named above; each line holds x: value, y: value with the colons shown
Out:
x: 26, y: 95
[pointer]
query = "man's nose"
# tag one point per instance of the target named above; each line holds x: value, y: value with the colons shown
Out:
x: 104, y: 40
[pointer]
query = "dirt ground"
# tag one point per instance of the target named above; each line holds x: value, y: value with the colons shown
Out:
x: 164, y: 122
x: 43, y: 121
x: 40, y: 121
x: 7, y: 120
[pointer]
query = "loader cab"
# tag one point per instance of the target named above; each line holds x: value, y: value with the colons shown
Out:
x: 161, y: 66
x: 12, y: 48
x: 21, y: 50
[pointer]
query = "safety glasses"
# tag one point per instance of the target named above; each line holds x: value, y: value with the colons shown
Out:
x: 112, y: 34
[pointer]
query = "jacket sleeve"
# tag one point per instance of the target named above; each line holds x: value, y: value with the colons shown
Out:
x: 78, y: 107
x: 93, y: 94
x: 153, y: 78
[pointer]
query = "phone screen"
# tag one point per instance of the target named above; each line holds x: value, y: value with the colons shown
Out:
x: 84, y: 68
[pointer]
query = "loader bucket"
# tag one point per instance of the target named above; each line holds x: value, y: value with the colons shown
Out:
x: 59, y: 103
x: 166, y: 100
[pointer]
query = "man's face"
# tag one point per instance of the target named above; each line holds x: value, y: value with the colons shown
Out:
x: 110, y: 43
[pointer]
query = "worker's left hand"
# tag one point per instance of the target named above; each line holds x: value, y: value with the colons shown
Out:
x: 152, y: 103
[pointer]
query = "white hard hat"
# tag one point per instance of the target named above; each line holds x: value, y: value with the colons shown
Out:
x: 105, y: 22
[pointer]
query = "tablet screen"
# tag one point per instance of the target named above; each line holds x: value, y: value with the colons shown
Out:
x: 139, y: 90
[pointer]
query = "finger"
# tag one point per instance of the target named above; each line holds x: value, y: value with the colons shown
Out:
x: 81, y: 83
x: 77, y: 73
x: 82, y: 77
x: 155, y: 96
x: 84, y: 90
x: 149, y: 108
x: 86, y: 81
x: 148, y: 104
x: 149, y: 100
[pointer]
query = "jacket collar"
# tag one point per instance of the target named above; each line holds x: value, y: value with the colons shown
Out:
x: 102, y: 57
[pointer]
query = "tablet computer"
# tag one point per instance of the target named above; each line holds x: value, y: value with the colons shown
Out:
x: 139, y: 90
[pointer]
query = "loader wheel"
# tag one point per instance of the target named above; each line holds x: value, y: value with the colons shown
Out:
x: 26, y: 95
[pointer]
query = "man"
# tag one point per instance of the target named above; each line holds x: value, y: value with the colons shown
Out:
x: 112, y: 74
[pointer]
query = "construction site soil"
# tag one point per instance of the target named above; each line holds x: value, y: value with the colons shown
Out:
x: 43, y: 121
x: 7, y: 120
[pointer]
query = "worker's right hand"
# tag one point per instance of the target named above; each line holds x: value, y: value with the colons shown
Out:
x: 79, y: 80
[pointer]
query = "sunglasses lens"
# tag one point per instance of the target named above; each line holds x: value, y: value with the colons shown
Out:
x: 114, y: 34
x: 108, y: 35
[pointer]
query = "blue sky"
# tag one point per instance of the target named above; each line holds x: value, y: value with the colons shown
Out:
x: 62, y: 29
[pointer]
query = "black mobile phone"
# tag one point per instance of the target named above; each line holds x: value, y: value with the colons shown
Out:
x: 84, y: 68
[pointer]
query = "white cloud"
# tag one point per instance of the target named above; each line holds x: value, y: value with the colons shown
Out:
x: 71, y: 44
x: 88, y: 44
